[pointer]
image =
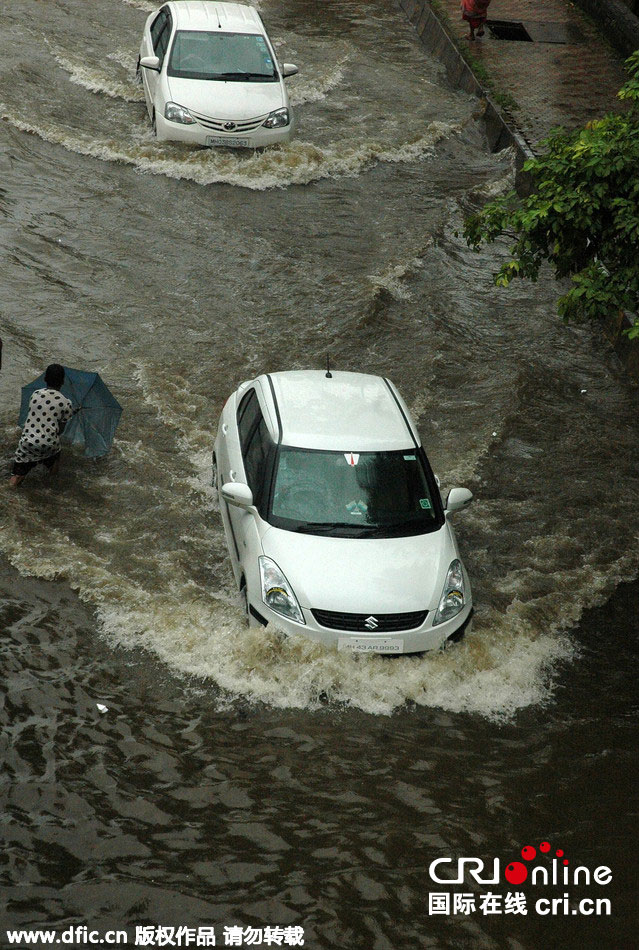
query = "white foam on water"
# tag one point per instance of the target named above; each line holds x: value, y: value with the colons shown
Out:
x: 306, y: 87
x: 126, y: 58
x: 99, y: 81
x: 494, y: 673
x: 197, y: 633
x: 298, y: 163
x: 195, y: 441
x: 508, y: 662
x: 487, y: 675
x: 147, y: 5
x: 392, y: 279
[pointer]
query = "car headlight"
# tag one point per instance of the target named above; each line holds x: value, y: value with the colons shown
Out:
x: 453, y: 596
x: 175, y: 113
x: 277, y: 119
x: 277, y: 593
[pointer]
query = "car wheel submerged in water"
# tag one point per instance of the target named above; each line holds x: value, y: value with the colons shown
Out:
x: 211, y: 76
x: 333, y: 518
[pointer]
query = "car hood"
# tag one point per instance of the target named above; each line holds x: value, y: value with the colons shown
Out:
x: 226, y: 100
x: 363, y: 575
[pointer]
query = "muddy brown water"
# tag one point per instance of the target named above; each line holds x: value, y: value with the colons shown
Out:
x: 239, y: 777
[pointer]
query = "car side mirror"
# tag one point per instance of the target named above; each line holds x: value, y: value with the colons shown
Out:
x: 238, y: 494
x: 458, y: 498
x: 150, y: 62
x: 289, y: 69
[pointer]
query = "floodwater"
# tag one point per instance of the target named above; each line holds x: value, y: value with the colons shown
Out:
x: 239, y: 777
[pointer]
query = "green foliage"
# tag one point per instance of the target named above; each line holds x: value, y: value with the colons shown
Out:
x: 582, y: 215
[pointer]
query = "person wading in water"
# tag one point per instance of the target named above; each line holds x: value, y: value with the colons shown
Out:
x: 49, y: 412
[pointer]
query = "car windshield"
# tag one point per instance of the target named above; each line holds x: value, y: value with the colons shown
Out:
x: 348, y: 494
x: 235, y: 57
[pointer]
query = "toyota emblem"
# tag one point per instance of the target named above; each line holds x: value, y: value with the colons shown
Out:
x: 229, y: 126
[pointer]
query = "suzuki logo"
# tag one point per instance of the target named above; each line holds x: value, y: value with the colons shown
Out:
x: 371, y: 623
x: 229, y: 126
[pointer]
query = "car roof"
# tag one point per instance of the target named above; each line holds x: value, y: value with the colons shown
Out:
x: 349, y: 412
x: 209, y: 15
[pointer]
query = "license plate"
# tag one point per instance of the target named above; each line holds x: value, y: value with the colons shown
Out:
x: 370, y: 645
x: 227, y: 140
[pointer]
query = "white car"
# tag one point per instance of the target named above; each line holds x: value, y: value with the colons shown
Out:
x: 333, y: 517
x: 211, y: 76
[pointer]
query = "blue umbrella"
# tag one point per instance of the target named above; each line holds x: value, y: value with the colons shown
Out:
x: 95, y: 424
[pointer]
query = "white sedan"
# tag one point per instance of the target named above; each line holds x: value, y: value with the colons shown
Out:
x: 333, y: 517
x: 211, y: 76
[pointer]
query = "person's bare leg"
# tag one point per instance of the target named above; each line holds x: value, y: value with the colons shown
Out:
x: 472, y: 33
x: 15, y: 480
x: 480, y: 31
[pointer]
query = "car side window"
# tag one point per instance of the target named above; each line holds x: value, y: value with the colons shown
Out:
x: 257, y: 446
x: 247, y: 417
x: 259, y: 452
x: 161, y: 45
x: 157, y: 27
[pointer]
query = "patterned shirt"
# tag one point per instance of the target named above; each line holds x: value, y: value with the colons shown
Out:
x: 40, y: 439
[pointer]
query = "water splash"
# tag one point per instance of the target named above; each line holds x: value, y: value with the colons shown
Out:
x: 146, y: 5
x: 309, y: 87
x: 298, y: 163
x: 393, y: 280
x: 98, y: 80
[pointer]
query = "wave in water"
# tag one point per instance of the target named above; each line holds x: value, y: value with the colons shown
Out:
x: 98, y: 80
x: 506, y: 664
x: 147, y: 5
x: 298, y: 163
x: 159, y: 580
x: 393, y: 280
x: 306, y: 87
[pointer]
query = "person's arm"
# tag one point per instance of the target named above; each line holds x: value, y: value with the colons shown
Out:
x: 68, y: 413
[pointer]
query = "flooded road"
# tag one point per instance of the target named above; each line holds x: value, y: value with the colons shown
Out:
x: 241, y: 777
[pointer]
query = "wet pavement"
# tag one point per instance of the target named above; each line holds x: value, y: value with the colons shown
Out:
x: 566, y: 74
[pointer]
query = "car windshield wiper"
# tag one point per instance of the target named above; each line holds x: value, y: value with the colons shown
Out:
x: 326, y: 527
x: 243, y: 77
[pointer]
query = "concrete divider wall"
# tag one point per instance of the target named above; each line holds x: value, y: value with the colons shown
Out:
x: 433, y: 34
x: 501, y: 134
x: 616, y: 20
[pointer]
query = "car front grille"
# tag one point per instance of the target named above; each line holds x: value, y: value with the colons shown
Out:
x: 217, y: 125
x: 370, y: 623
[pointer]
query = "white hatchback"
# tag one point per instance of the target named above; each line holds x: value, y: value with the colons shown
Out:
x: 211, y: 76
x: 333, y: 517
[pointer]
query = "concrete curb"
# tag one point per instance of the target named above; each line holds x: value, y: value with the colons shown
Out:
x: 500, y: 132
x: 616, y: 21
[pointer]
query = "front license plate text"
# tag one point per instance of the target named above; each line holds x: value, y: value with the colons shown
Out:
x: 370, y: 645
x: 231, y: 142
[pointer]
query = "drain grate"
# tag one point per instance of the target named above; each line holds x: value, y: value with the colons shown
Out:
x: 531, y: 32
x: 508, y: 30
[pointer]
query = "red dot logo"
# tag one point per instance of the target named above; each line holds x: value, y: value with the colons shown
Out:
x: 544, y: 846
x: 559, y: 853
x: 528, y: 853
x: 516, y: 872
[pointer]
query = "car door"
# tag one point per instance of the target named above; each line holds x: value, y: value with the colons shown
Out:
x: 157, y: 41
